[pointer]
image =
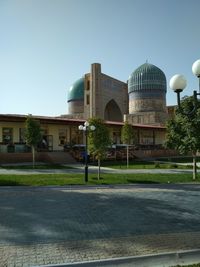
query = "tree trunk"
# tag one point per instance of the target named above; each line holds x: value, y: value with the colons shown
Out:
x: 127, y: 155
x: 99, y: 165
x: 33, y: 156
x: 194, y: 167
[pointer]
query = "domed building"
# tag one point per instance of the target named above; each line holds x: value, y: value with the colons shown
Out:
x: 76, y: 97
x: 98, y: 95
x: 142, y: 100
x: 147, y: 95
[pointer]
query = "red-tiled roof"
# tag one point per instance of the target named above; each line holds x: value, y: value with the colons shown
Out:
x: 19, y: 117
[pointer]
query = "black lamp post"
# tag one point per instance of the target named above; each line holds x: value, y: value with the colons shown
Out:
x: 178, y: 84
x: 86, y: 128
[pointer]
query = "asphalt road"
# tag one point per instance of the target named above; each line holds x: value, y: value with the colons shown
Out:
x: 54, y: 225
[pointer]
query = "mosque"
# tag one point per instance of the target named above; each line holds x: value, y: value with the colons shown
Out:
x: 141, y: 101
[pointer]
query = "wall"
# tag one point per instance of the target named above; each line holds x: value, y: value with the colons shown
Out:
x: 155, y: 153
x: 146, y: 118
x: 75, y: 106
x: 113, y: 89
x: 49, y: 129
x: 23, y: 157
x: 103, y: 89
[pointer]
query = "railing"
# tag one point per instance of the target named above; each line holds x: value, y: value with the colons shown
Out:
x: 14, y: 148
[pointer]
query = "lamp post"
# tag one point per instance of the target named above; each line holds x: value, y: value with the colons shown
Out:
x: 86, y: 128
x: 178, y: 83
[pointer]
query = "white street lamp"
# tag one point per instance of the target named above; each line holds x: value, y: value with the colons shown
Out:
x: 196, y: 68
x: 178, y: 83
x: 86, y: 128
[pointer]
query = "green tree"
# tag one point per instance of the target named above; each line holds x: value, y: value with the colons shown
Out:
x: 33, y: 134
x: 98, y: 140
x: 183, y: 130
x: 128, y: 137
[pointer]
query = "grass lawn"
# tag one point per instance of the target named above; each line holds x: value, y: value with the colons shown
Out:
x: 78, y: 179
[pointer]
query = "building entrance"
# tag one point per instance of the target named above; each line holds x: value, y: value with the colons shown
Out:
x: 47, y: 143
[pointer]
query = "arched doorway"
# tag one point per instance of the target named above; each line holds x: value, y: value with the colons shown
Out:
x: 112, y: 111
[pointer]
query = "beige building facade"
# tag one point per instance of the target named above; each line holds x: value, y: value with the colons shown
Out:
x: 98, y: 95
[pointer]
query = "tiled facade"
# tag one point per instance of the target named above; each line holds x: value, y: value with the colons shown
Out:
x: 110, y: 99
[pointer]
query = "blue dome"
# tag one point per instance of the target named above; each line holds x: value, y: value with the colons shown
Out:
x: 147, y: 77
x: 76, y: 91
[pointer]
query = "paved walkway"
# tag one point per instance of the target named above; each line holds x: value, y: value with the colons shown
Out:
x: 79, y: 168
x: 49, y: 225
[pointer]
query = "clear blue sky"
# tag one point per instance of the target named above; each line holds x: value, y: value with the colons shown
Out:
x: 45, y: 45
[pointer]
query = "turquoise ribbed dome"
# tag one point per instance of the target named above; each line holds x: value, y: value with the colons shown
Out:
x: 147, y: 77
x: 76, y: 91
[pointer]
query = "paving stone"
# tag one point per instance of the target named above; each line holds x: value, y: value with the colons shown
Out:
x: 57, y: 225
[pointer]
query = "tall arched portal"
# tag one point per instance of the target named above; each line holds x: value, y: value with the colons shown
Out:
x: 112, y: 112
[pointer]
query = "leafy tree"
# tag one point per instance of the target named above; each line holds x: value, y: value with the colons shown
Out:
x: 128, y: 137
x: 183, y: 130
x: 33, y: 134
x: 98, y: 140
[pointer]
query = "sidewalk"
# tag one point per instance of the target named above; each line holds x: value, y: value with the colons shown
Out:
x: 59, y: 225
x: 79, y: 168
x: 91, y: 250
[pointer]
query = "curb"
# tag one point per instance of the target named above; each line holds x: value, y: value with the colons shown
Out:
x: 153, y: 260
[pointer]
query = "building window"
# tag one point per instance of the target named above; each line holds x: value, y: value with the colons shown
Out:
x: 88, y: 99
x: 62, y: 136
x: 22, y: 135
x: 88, y: 85
x: 7, y: 135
